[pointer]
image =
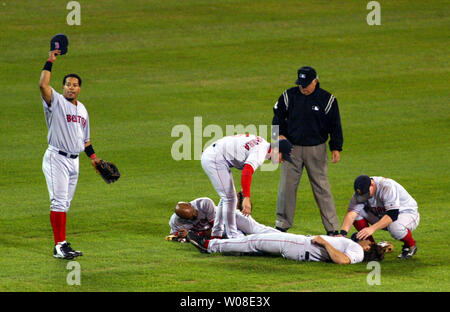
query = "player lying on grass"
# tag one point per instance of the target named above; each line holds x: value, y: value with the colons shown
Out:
x: 340, y: 250
x: 386, y: 205
x: 198, y: 216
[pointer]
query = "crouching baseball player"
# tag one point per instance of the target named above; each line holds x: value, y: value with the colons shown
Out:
x: 340, y: 250
x: 386, y: 205
x: 198, y: 216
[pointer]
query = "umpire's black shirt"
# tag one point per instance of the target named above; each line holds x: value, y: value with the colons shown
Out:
x: 307, y: 120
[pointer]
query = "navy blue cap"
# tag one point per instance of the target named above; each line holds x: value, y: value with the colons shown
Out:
x: 306, y: 75
x: 59, y: 42
x: 354, y: 238
x: 362, y: 188
x: 285, y: 148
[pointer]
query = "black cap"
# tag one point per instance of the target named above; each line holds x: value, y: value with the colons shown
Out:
x: 354, y: 238
x: 59, y: 42
x: 306, y: 75
x: 285, y: 148
x: 362, y: 188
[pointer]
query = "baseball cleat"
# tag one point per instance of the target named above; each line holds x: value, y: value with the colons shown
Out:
x: 63, y: 251
x: 197, y: 241
x: 408, y: 252
x: 76, y: 253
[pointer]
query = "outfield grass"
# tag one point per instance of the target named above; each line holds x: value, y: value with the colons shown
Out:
x: 150, y: 65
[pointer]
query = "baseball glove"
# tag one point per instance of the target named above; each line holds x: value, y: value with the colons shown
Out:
x: 108, y: 171
x: 387, y: 246
x: 175, y: 238
x: 240, y: 197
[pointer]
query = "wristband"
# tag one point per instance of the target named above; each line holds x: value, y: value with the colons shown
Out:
x: 89, y: 150
x: 48, y: 66
x: 343, y: 233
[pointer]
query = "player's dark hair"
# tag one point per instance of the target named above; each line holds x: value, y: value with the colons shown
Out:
x: 376, y: 253
x: 72, y: 76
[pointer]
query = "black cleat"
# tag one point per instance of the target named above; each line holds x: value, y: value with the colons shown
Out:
x: 408, y: 252
x: 76, y: 253
x: 62, y: 251
x: 197, y: 241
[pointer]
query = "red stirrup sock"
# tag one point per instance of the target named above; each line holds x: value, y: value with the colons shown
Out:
x: 408, y: 239
x: 58, y: 221
x: 361, y: 224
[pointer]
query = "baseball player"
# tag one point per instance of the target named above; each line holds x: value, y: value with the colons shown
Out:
x: 244, y: 152
x: 199, y: 214
x: 384, y: 204
x: 68, y: 135
x: 340, y: 250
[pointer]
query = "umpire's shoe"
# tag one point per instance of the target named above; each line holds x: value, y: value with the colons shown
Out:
x: 198, y: 241
x: 63, y: 250
x: 408, y: 252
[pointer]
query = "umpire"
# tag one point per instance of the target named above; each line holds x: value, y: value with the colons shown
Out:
x: 306, y: 115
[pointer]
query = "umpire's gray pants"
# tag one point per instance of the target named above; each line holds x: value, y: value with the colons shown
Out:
x: 315, y: 160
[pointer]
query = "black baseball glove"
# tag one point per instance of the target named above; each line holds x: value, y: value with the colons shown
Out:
x: 108, y: 171
x: 240, y: 197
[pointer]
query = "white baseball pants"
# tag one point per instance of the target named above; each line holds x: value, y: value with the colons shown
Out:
x: 248, y: 225
x: 287, y: 245
x: 61, y: 174
x: 399, y: 228
x: 221, y: 178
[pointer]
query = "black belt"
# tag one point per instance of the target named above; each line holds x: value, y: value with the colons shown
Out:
x: 67, y: 155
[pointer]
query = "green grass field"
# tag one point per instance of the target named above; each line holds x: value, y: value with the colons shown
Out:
x: 148, y: 66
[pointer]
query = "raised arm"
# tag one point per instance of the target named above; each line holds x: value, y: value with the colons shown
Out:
x: 44, y: 82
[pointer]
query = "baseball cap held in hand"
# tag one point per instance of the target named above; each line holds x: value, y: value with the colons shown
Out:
x: 306, y: 75
x: 362, y: 188
x: 59, y: 42
x: 285, y: 148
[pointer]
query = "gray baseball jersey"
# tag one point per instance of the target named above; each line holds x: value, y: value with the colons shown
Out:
x: 68, y: 124
x: 206, y: 211
x: 389, y: 195
x: 242, y: 149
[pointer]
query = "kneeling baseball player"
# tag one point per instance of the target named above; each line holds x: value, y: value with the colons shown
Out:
x: 386, y: 205
x: 198, y: 216
x: 340, y: 250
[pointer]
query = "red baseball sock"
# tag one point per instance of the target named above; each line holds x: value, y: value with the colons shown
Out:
x: 408, y: 239
x: 58, y: 221
x: 207, y: 243
x: 361, y: 224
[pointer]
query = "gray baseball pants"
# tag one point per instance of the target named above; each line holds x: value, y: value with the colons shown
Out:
x: 315, y: 160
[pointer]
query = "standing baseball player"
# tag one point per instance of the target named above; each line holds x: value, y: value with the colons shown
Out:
x: 199, y: 214
x: 244, y: 152
x: 384, y: 204
x: 68, y: 135
x: 340, y: 250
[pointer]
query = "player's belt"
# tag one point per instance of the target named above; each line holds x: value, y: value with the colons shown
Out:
x: 307, y: 256
x: 67, y: 155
